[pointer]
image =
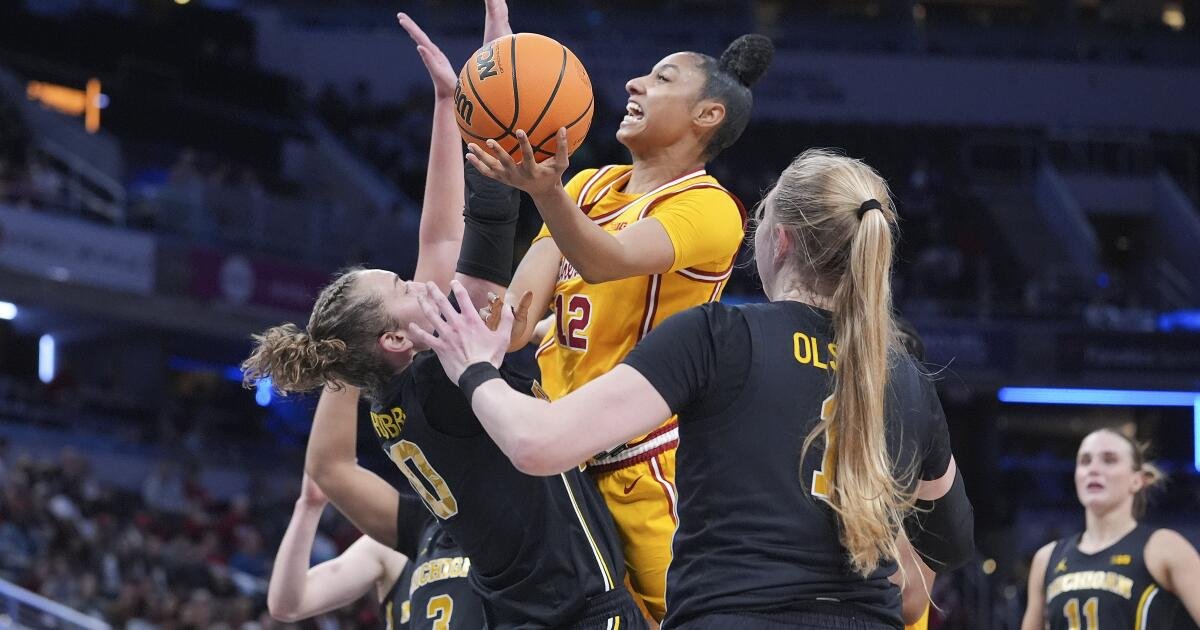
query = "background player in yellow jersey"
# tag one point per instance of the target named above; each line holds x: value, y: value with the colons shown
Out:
x: 654, y: 237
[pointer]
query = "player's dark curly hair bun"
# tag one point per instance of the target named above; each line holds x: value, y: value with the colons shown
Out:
x: 728, y: 81
x: 747, y: 58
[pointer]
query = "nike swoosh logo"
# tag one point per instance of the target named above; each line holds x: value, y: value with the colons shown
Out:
x: 629, y: 488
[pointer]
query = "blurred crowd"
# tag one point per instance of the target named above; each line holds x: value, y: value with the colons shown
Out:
x: 167, y: 556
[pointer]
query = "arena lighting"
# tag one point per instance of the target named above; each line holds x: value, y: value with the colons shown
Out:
x: 71, y: 101
x: 8, y: 311
x: 262, y: 392
x: 46, y: 358
x: 1110, y: 397
x: 1172, y: 16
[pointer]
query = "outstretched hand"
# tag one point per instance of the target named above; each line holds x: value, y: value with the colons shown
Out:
x: 440, y: 70
x: 462, y: 338
x: 529, y: 175
x: 495, y: 24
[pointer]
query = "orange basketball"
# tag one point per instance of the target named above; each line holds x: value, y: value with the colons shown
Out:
x: 524, y: 81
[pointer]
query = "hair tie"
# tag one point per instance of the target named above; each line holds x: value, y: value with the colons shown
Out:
x: 870, y: 204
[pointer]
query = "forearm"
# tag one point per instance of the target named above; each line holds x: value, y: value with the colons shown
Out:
x: 520, y: 425
x: 333, y: 439
x: 285, y: 591
x: 596, y: 254
x: 441, y: 210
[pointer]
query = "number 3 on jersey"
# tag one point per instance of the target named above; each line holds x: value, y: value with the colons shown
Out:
x: 424, y: 479
x: 440, y: 609
x: 572, y: 316
x: 822, y: 479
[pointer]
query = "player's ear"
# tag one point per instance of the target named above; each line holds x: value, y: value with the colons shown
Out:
x: 782, y: 244
x: 395, y: 341
x: 708, y: 115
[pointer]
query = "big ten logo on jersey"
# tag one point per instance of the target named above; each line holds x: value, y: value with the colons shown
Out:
x: 462, y: 104
x: 1121, y: 560
x: 485, y: 62
x: 388, y: 425
x: 440, y: 569
x: 808, y: 352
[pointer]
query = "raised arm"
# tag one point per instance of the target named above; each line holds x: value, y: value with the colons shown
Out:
x: 1035, y: 616
x: 361, y: 495
x: 297, y: 592
x: 642, y: 249
x: 441, y: 230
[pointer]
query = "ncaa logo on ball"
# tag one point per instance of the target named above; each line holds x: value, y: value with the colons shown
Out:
x: 485, y: 62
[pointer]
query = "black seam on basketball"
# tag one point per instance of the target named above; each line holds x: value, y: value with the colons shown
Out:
x: 567, y: 126
x: 479, y: 137
x: 471, y: 84
x: 516, y: 93
x: 550, y: 101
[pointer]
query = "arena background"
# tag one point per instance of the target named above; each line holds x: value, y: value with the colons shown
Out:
x: 176, y: 174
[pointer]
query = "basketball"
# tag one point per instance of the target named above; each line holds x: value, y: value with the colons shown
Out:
x: 524, y: 81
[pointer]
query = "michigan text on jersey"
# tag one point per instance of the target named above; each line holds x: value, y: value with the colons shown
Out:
x: 1091, y: 580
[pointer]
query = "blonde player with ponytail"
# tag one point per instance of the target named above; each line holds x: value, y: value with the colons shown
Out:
x: 808, y: 438
x: 1117, y: 573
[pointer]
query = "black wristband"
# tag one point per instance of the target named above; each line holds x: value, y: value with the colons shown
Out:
x: 475, y: 375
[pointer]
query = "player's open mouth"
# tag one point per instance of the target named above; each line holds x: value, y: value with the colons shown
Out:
x: 1094, y: 486
x: 633, y: 113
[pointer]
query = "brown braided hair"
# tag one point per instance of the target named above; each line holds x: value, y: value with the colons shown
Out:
x: 339, y: 345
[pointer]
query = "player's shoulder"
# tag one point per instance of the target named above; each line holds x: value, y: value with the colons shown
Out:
x: 591, y: 177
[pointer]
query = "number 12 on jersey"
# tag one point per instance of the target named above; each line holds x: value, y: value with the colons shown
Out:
x: 572, y: 315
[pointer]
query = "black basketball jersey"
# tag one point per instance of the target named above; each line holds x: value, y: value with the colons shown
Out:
x: 540, y: 547
x: 748, y: 384
x: 1111, y: 588
x: 438, y: 594
x: 393, y: 610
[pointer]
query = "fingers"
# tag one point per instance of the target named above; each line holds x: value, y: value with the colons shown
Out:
x: 561, y: 154
x: 506, y: 321
x: 430, y: 308
x: 427, y: 339
x: 485, y: 162
x: 522, y: 309
x: 414, y: 31
x: 527, y: 158
x: 492, y: 312
x: 464, y: 301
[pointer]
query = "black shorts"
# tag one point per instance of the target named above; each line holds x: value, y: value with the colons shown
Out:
x: 786, y: 621
x: 614, y: 610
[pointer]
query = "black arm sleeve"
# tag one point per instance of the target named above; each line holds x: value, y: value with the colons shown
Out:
x: 411, y: 518
x: 680, y: 359
x: 491, y: 214
x: 943, y: 530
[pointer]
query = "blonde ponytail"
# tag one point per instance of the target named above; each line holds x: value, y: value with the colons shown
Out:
x: 845, y: 248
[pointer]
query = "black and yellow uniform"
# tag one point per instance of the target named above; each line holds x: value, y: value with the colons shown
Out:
x: 1111, y: 588
x: 393, y: 610
x: 438, y: 595
x: 544, y: 552
x: 757, y: 545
